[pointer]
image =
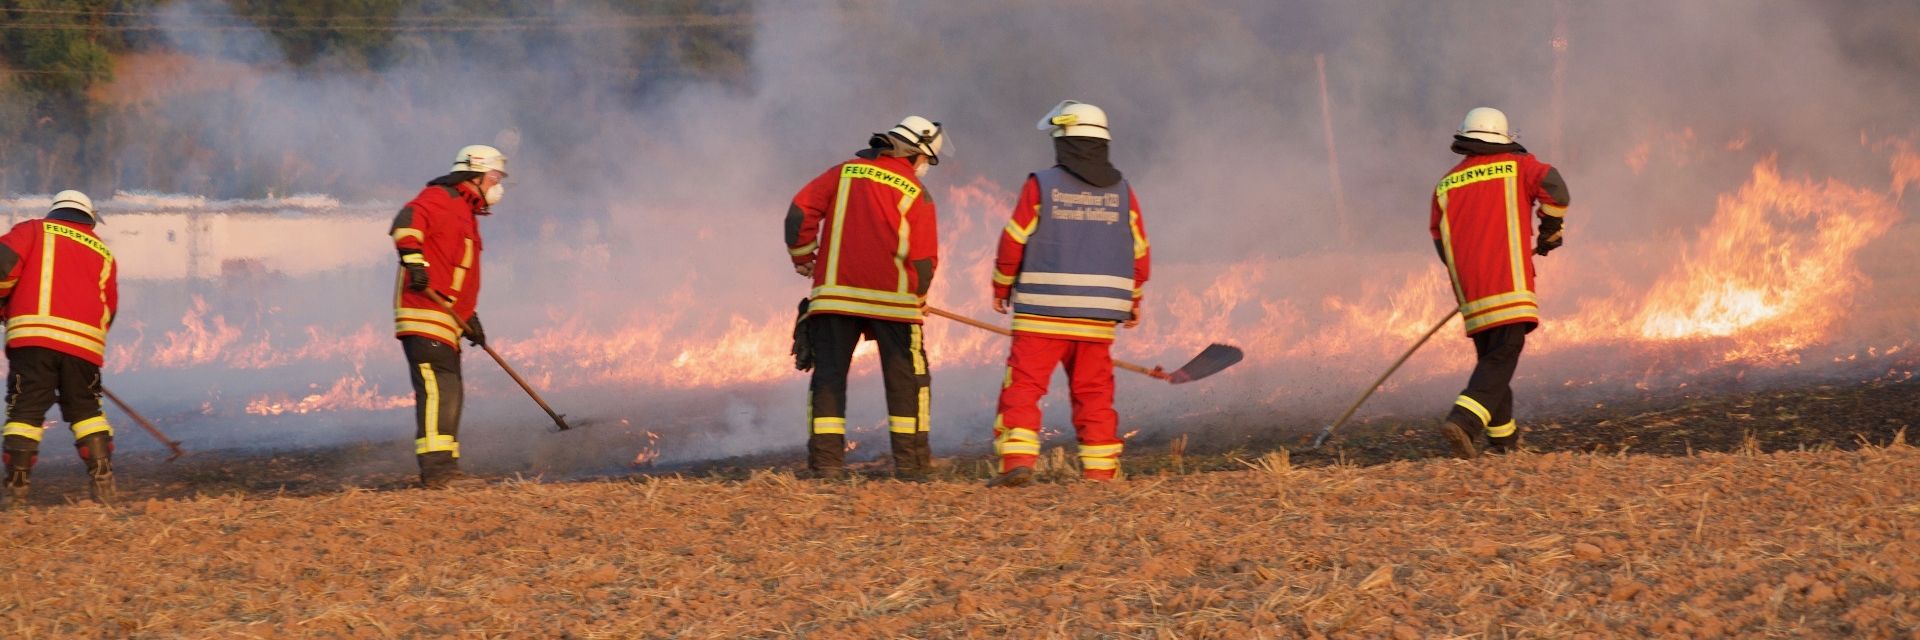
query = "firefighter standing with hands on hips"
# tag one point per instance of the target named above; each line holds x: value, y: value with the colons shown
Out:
x: 1071, y: 265
x: 864, y: 231
x: 1481, y: 225
x: 438, y: 237
x: 60, y: 292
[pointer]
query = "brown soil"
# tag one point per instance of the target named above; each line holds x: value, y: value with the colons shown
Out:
x: 1790, y: 544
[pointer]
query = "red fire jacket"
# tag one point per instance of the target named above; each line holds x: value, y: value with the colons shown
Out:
x: 442, y: 226
x: 868, y: 228
x: 1481, y: 217
x: 61, y: 288
x: 1013, y: 246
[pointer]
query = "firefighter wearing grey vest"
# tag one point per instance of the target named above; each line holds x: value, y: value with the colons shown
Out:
x: 1071, y: 265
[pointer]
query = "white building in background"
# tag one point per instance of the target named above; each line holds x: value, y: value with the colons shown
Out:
x: 175, y: 237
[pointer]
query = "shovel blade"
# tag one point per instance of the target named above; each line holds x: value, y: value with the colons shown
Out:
x: 1214, y: 359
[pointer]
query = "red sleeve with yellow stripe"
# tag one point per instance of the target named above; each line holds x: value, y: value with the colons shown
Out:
x: 1142, y: 251
x: 1013, y: 240
x: 804, y: 215
x: 17, y: 242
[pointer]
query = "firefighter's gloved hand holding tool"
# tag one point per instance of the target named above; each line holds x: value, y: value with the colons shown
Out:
x: 802, y: 340
x: 476, y: 335
x: 417, y: 278
x: 1324, y: 433
x: 1214, y: 359
x: 559, y: 420
x: 172, y: 445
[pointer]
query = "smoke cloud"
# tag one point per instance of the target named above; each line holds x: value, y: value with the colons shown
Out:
x: 658, y: 203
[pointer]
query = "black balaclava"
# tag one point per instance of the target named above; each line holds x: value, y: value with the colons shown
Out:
x: 887, y: 144
x: 1086, y: 158
x: 1475, y: 147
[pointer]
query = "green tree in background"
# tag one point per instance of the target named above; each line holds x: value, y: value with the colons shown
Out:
x: 56, y: 131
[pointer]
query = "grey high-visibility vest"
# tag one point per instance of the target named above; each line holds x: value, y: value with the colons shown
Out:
x: 1079, y: 258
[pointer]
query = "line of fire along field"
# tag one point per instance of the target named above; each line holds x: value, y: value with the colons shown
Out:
x: 1070, y: 271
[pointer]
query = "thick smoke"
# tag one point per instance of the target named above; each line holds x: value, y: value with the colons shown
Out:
x: 631, y: 197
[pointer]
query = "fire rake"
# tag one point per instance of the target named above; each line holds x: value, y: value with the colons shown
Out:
x: 1214, y: 359
x: 559, y: 419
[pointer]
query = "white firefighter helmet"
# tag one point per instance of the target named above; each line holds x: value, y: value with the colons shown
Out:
x: 1075, y: 118
x: 481, y: 158
x: 925, y: 135
x: 1486, y: 124
x: 71, y: 199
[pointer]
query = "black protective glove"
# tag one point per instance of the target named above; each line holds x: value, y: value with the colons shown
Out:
x: 476, y: 334
x: 416, y: 278
x: 802, y: 340
x: 1549, y: 238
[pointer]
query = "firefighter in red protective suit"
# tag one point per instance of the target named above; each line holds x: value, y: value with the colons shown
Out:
x: 438, y: 237
x: 1481, y: 225
x: 864, y: 231
x: 60, y: 291
x: 1071, y: 265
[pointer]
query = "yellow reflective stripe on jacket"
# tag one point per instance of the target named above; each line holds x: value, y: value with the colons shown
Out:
x: 1001, y: 278
x: 1481, y: 173
x: 24, y: 430
x: 802, y: 250
x: 875, y: 295
x: 82, y: 328
x: 402, y: 234
x: 1489, y: 319
x: 1024, y: 323
x: 47, y: 249
x: 90, y: 426
x: 1554, y: 211
x: 862, y: 309
x: 438, y: 324
x: 95, y: 347
x: 81, y: 237
x: 1021, y: 234
x: 1516, y: 235
x: 1501, y: 300
x: 1139, y: 237
x: 870, y: 172
x: 1446, y: 247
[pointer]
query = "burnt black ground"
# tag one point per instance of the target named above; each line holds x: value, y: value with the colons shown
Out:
x: 1828, y: 416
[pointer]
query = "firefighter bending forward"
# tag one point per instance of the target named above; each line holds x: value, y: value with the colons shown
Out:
x: 61, y: 292
x: 1072, y: 262
x: 864, y: 232
x: 1481, y: 226
x: 438, y: 237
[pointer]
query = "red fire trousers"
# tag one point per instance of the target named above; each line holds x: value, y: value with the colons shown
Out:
x: 1016, y: 430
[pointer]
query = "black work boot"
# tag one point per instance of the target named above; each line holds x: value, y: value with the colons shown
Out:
x: 1457, y: 439
x: 1018, y: 477
x: 1504, y: 445
x: 440, y: 470
x: 827, y: 455
x: 923, y: 450
x: 906, y: 457
x: 19, y: 465
x: 97, y: 451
